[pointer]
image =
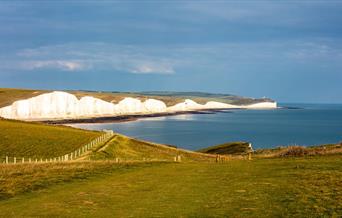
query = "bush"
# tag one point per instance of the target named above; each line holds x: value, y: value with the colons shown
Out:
x: 294, y: 151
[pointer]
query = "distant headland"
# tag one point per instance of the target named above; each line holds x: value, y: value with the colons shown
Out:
x: 61, y: 105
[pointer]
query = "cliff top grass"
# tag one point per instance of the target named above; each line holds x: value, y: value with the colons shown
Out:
x: 230, y: 148
x: 27, y: 139
x: 299, y: 151
x: 130, y: 149
x: 8, y: 95
x: 276, y: 187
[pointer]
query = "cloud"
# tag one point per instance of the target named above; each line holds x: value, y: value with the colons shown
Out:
x: 151, y: 68
x: 53, y: 64
x: 95, y: 56
x: 168, y: 59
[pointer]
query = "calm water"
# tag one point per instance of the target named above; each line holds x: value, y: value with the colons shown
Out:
x: 313, y: 124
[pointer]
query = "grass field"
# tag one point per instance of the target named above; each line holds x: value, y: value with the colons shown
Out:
x: 24, y: 139
x: 130, y: 149
x: 282, y: 182
x: 288, y: 187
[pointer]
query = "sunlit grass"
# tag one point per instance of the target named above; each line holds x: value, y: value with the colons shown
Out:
x: 24, y: 139
x: 291, y: 187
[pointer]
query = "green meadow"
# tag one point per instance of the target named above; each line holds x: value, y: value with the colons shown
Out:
x: 27, y: 139
x: 289, y: 187
x: 126, y: 177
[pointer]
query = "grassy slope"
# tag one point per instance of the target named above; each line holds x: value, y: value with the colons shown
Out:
x: 292, y: 187
x: 228, y: 148
x: 8, y: 96
x: 39, y: 140
x: 292, y: 151
x: 126, y: 148
x: 21, y: 178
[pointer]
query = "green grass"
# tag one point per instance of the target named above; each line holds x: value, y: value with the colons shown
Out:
x: 126, y: 148
x: 25, y: 139
x: 228, y: 148
x: 291, y: 187
x: 8, y: 95
x: 20, y: 178
x: 291, y: 151
x: 305, y: 186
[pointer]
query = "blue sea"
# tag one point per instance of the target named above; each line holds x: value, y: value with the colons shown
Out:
x: 309, y: 124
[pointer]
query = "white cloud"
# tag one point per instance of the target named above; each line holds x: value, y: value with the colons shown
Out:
x: 53, y: 64
x: 166, y: 59
x: 96, y: 56
x: 148, y: 68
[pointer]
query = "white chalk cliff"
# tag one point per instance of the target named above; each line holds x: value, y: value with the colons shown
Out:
x: 61, y: 105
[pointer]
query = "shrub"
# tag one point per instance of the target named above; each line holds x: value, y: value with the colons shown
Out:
x: 294, y: 151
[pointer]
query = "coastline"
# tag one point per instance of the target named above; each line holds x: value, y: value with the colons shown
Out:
x: 135, y: 117
x: 63, y: 107
x: 127, y: 118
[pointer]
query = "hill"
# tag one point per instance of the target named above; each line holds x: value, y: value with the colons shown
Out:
x: 8, y: 95
x: 129, y: 149
x: 228, y: 148
x: 299, y: 151
x: 38, y: 140
x: 28, y: 139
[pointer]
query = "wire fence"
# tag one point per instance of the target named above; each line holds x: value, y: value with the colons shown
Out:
x: 78, y: 153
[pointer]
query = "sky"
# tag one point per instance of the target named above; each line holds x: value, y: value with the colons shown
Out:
x: 290, y: 51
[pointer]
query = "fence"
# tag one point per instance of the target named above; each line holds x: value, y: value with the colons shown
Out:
x: 67, y: 157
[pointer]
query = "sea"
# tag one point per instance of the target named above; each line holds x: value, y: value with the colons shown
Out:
x: 293, y: 124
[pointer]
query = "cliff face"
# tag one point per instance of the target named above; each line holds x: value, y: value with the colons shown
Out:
x: 61, y: 105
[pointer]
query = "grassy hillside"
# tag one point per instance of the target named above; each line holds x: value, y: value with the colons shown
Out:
x: 126, y: 148
x: 27, y: 139
x: 299, y: 151
x: 24, y: 139
x: 228, y: 148
x: 8, y: 96
x: 276, y: 187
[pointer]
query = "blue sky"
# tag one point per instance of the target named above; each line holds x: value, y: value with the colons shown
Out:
x: 287, y: 50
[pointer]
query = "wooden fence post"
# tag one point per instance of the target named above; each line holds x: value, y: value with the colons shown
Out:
x: 6, y: 160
